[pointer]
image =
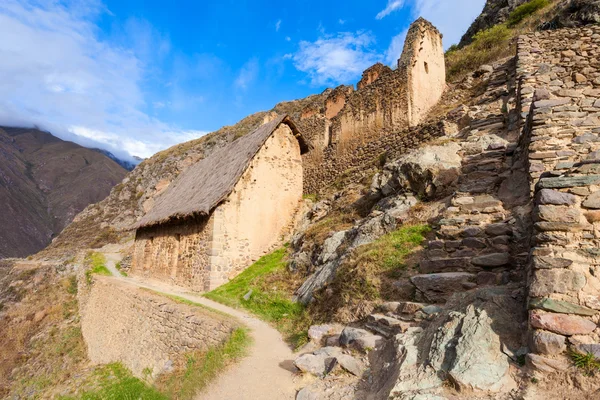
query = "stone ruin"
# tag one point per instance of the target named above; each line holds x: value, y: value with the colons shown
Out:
x: 386, y: 101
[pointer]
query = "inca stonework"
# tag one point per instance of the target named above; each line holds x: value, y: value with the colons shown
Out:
x: 144, y: 330
x: 352, y: 123
x: 225, y: 212
x: 559, y: 73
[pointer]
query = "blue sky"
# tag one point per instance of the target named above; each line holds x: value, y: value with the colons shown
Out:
x: 135, y: 77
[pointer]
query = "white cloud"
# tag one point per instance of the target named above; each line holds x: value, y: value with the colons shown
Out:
x: 450, y: 19
x: 63, y: 78
x: 341, y: 21
x: 287, y: 38
x: 277, y: 25
x: 247, y: 74
x: 392, y: 6
x: 336, y: 59
x: 395, y: 48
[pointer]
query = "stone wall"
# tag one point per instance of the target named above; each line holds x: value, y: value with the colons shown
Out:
x: 423, y: 63
x: 559, y: 73
x: 141, y: 329
x: 252, y: 220
x: 323, y: 167
x: 175, y: 253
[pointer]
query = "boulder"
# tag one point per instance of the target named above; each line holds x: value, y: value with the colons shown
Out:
x: 372, y: 229
x: 317, y: 365
x: 318, y: 332
x: 349, y: 335
x: 479, y: 363
x: 316, y: 281
x: 330, y: 246
x: 360, y: 339
x: 429, y: 171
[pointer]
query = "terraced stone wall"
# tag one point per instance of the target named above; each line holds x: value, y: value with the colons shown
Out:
x: 559, y: 77
x: 144, y: 330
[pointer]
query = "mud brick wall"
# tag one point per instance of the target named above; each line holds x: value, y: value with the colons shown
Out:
x: 141, y: 329
x: 559, y: 90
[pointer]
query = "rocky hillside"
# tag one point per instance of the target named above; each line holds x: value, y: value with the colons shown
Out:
x: 44, y: 183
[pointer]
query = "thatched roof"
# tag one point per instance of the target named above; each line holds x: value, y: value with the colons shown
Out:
x: 199, y: 189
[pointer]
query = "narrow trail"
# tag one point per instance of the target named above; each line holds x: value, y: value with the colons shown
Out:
x: 265, y: 374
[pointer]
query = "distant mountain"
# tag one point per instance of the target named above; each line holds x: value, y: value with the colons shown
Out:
x: 44, y: 183
x: 128, y: 165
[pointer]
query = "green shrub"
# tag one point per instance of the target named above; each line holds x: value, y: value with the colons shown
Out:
x: 487, y: 46
x: 526, y: 10
x: 588, y: 363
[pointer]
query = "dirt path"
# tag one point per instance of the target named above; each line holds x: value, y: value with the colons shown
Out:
x: 265, y: 374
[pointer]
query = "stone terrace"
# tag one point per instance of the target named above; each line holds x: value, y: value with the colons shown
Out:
x: 559, y: 77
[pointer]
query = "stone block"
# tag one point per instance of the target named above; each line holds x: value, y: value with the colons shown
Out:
x: 562, y: 324
x: 545, y: 262
x: 544, y: 364
x: 546, y: 282
x: 492, y: 260
x: 550, y: 213
x: 439, y: 287
x: 498, y: 229
x: 558, y: 306
x: 592, y: 201
x: 544, y: 342
x: 442, y: 264
x: 568, y: 181
x: 548, y: 196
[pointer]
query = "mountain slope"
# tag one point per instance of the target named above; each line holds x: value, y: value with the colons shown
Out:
x: 44, y: 183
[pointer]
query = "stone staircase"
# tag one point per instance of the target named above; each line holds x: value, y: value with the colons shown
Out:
x: 478, y: 236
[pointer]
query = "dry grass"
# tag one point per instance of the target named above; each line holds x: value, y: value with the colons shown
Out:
x: 366, y: 277
x: 498, y: 41
x: 39, y: 333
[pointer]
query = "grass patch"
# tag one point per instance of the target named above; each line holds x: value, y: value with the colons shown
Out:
x: 335, y: 222
x: 96, y: 265
x: 120, y: 269
x: 588, y: 363
x: 367, y: 275
x: 526, y: 10
x: 191, y: 374
x: 185, y: 301
x: 199, y: 369
x: 263, y: 285
x: 310, y: 196
x: 116, y: 382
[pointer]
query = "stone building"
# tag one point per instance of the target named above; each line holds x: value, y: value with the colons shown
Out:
x: 224, y: 212
x: 386, y: 101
